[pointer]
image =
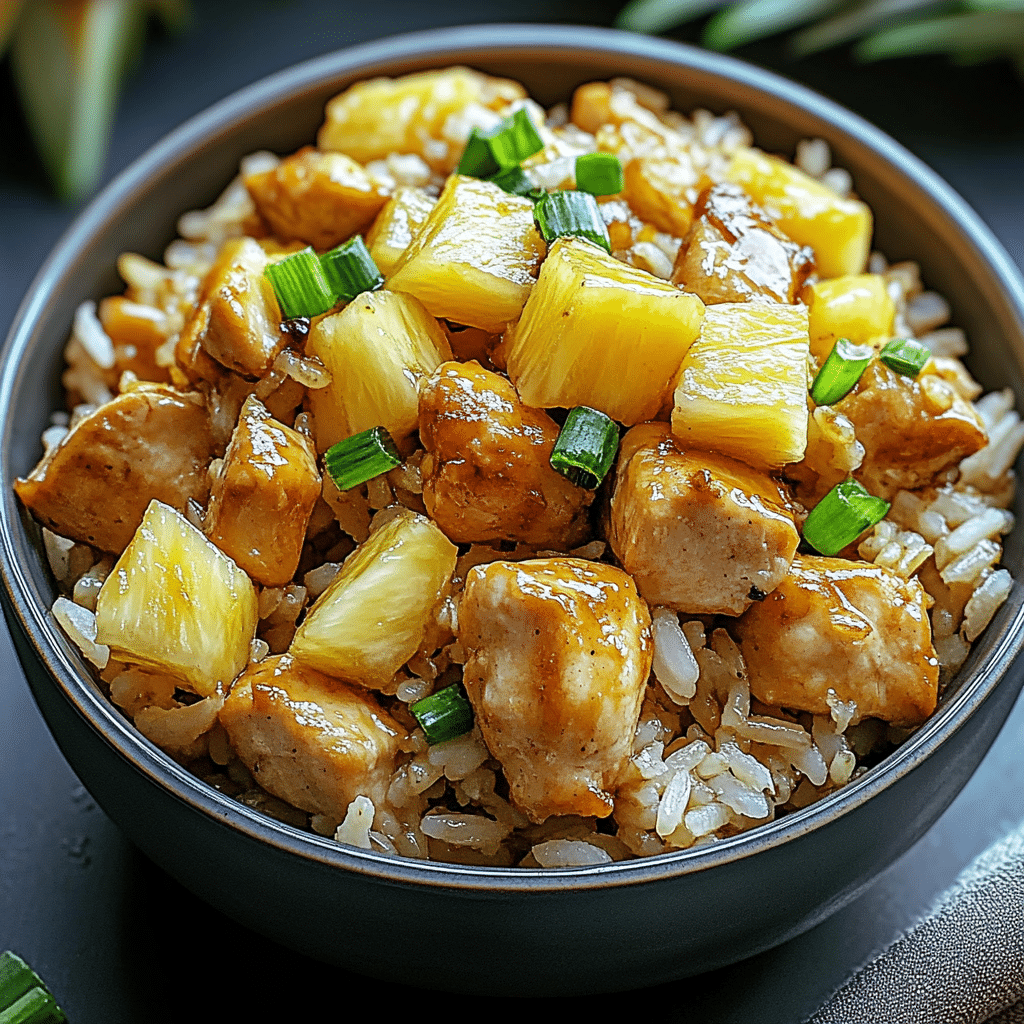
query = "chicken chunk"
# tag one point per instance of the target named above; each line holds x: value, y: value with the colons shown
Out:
x: 559, y: 654
x: 734, y: 252
x: 150, y: 442
x: 262, y: 500
x: 487, y: 475
x: 849, y: 629
x: 911, y: 429
x: 699, y: 532
x: 310, y: 740
x: 318, y: 198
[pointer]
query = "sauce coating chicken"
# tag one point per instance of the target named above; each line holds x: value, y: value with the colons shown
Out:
x: 734, y: 253
x: 559, y: 655
x: 309, y: 739
x: 699, y: 532
x: 487, y: 475
x: 850, y: 628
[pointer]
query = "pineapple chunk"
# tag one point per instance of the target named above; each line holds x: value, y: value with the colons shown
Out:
x: 372, y: 618
x: 261, y: 502
x: 375, y: 118
x: 176, y: 603
x: 475, y: 258
x: 137, y: 331
x: 742, y: 389
x: 837, y: 229
x: 663, y: 191
x: 376, y: 349
x: 318, y: 198
x: 598, y: 332
x: 395, y: 226
x: 857, y: 307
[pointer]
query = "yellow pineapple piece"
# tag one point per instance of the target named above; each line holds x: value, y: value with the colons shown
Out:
x: 372, y: 618
x: 395, y: 226
x: 663, y: 191
x: 598, y: 332
x: 742, y: 389
x: 475, y: 258
x: 176, y: 603
x: 857, y: 307
x: 376, y: 349
x: 837, y: 229
x: 372, y: 119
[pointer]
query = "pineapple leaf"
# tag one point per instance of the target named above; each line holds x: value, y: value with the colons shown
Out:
x: 979, y: 32
x: 750, y: 20
x: 8, y: 17
x: 653, y: 16
x: 852, y: 24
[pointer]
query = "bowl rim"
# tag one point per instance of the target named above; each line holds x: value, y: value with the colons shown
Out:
x: 449, y: 46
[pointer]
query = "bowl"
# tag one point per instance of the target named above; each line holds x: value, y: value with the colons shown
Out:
x: 505, y: 931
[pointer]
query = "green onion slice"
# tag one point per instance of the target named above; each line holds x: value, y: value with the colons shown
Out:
x: 24, y: 997
x: 842, y: 516
x: 506, y: 145
x: 600, y: 174
x: 904, y: 355
x: 444, y: 715
x: 565, y: 213
x: 361, y: 457
x: 586, y: 447
x: 840, y: 372
x: 350, y: 269
x: 300, y: 285
x: 515, y: 181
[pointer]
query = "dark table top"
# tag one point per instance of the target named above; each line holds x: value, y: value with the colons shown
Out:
x: 116, y: 938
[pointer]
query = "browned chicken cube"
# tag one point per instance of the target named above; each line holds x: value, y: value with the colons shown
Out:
x: 912, y: 430
x: 238, y: 320
x: 310, y: 740
x: 734, y: 253
x: 559, y: 654
x: 261, y: 503
x: 318, y: 198
x: 698, y: 531
x: 150, y: 442
x: 848, y: 630
x: 487, y: 474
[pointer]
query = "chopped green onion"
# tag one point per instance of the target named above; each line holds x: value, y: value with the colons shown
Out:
x: 350, y: 269
x: 361, y: 457
x: 506, y: 145
x: 600, y: 174
x: 586, y: 447
x: 904, y: 355
x: 300, y: 285
x: 444, y: 715
x: 515, y: 182
x: 571, y: 213
x: 24, y: 997
x: 842, y: 516
x: 840, y: 372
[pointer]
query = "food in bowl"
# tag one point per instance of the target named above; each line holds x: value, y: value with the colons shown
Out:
x: 526, y: 637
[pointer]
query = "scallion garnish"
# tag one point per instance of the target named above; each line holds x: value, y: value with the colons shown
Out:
x: 515, y: 182
x: 842, y: 516
x: 350, y: 269
x: 586, y: 447
x: 840, y: 372
x: 506, y: 145
x: 24, y: 997
x: 361, y: 457
x: 444, y: 715
x: 565, y: 213
x: 904, y: 355
x: 300, y: 285
x: 600, y: 174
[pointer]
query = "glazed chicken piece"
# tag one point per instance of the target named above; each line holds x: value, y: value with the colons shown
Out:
x: 308, y: 739
x: 559, y: 655
x: 318, y: 198
x: 261, y: 502
x: 734, y: 253
x: 698, y: 531
x: 852, y: 629
x: 911, y: 430
x: 150, y: 442
x: 487, y: 474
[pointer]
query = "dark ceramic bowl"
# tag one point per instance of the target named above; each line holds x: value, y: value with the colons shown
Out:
x: 535, y: 932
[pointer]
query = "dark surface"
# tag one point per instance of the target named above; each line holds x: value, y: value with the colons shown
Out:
x: 116, y: 939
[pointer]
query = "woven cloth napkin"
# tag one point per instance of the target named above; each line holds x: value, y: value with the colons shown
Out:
x: 963, y: 964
